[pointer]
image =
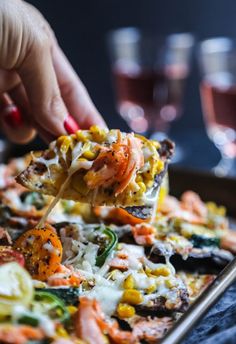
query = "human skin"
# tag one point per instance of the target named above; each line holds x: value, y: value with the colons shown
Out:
x: 36, y: 76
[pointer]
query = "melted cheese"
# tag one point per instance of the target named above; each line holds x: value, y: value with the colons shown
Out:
x: 108, y: 296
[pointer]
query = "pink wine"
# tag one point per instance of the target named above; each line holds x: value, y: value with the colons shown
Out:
x: 150, y: 98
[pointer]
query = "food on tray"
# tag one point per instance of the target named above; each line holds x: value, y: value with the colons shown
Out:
x: 101, y: 167
x: 100, y: 274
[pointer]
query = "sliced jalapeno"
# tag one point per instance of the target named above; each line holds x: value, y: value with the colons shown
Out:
x: 56, y: 307
x: 111, y: 245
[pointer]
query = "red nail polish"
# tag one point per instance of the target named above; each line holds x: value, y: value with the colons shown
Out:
x: 12, y: 116
x: 70, y: 125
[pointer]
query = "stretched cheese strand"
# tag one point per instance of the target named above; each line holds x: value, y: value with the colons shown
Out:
x: 54, y: 202
x: 78, y: 150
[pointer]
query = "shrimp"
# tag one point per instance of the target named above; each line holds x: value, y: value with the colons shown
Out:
x: 119, y: 263
x: 144, y: 234
x: 192, y: 202
x: 116, y: 164
x: 151, y: 330
x: 190, y: 209
x: 228, y: 241
x: 135, y: 162
x: 65, y: 276
x: 19, y: 334
x: 170, y: 205
x: 91, y: 325
x: 87, y: 327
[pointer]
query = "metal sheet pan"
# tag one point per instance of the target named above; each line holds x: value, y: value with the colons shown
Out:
x: 221, y: 191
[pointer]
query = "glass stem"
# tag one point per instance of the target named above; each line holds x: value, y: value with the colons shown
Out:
x: 226, y: 166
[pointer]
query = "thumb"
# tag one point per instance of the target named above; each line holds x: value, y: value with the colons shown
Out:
x: 39, y: 79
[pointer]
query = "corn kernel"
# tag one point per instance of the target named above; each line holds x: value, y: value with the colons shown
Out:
x: 125, y: 311
x: 80, y: 136
x: 221, y: 210
x: 119, y: 246
x: 139, y: 178
x: 148, y: 272
x: 160, y: 166
x: 132, y: 296
x: 169, y: 283
x: 161, y: 271
x: 66, y: 144
x: 89, y: 155
x: 98, y: 134
x: 129, y: 282
x: 213, y: 208
x: 142, y: 187
x: 72, y: 309
x: 150, y: 184
x: 151, y: 289
x: 61, y: 139
x: 62, y: 332
x: 105, y: 340
x: 156, y: 144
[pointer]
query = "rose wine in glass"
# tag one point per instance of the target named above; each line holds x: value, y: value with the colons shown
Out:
x: 149, y: 75
x: 149, y: 100
x: 218, y: 95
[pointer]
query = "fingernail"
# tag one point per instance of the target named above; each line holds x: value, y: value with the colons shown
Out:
x: 13, y: 116
x: 70, y: 125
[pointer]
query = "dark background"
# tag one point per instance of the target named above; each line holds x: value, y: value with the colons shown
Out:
x: 81, y: 26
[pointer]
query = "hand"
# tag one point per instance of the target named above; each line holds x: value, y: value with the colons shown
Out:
x: 37, y: 77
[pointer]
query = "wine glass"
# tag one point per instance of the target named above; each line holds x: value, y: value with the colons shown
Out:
x: 149, y: 75
x: 217, y: 57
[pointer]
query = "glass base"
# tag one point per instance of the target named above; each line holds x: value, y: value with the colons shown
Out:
x: 225, y: 168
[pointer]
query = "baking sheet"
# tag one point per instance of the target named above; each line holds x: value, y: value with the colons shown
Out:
x: 217, y: 328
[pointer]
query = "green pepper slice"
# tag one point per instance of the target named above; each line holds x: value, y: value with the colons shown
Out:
x: 55, y: 306
x: 200, y: 241
x: 112, y: 243
x: 28, y: 320
x: 69, y: 295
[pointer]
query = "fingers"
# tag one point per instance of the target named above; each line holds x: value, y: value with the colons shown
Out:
x: 74, y: 93
x: 43, y: 82
x: 12, y: 122
x: 19, y: 97
x: 8, y: 80
x: 40, y: 82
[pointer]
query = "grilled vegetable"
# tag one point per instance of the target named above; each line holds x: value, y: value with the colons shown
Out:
x: 29, y: 320
x: 201, y: 241
x: 70, y: 296
x: 163, y: 306
x: 55, y: 307
x: 42, y: 250
x: 112, y: 243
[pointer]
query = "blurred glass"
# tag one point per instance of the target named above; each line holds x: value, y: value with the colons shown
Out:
x: 149, y: 76
x: 217, y: 57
